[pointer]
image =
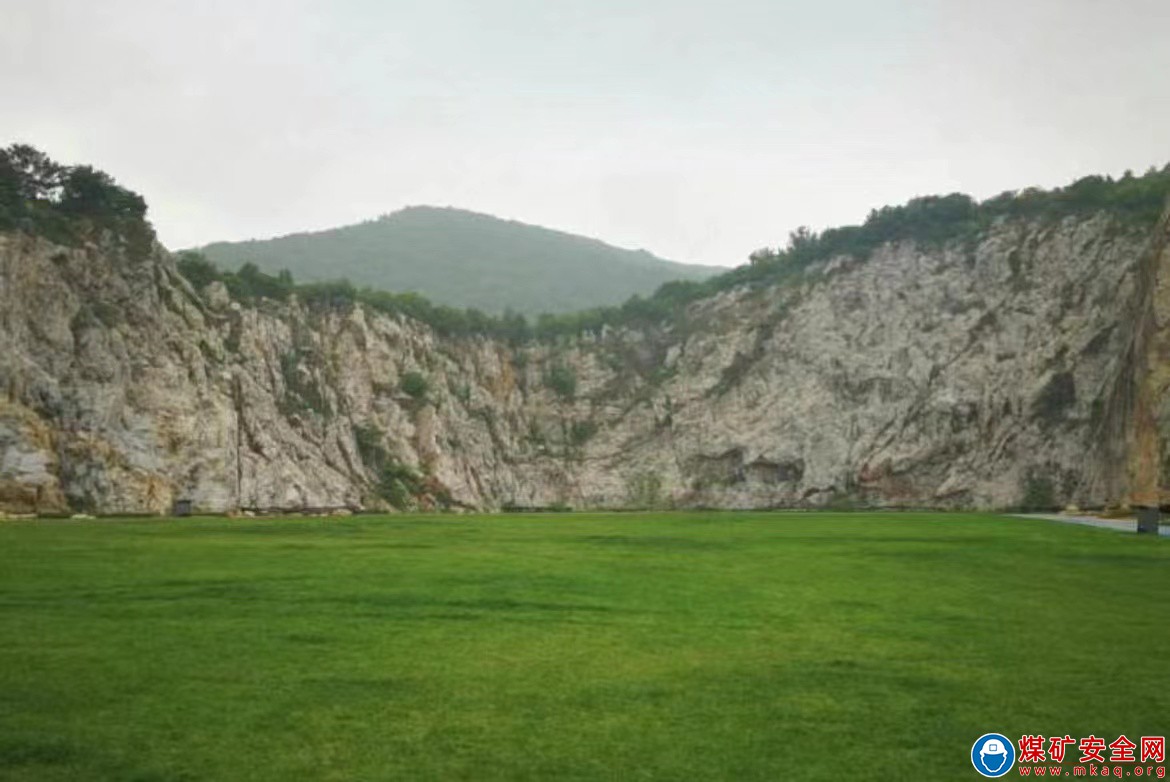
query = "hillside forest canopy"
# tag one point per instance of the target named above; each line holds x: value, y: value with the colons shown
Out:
x: 67, y: 203
x: 464, y: 259
x: 930, y: 220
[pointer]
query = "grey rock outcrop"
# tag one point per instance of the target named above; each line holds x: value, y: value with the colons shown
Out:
x: 971, y: 374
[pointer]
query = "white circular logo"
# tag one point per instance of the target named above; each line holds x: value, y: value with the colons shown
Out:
x: 993, y: 755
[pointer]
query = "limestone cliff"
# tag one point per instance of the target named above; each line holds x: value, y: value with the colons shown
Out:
x: 1145, y: 380
x: 978, y: 373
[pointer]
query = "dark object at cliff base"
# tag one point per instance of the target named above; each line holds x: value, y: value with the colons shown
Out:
x: 1147, y: 520
x: 181, y: 508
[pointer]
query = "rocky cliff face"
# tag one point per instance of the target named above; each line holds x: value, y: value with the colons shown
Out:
x: 1144, y: 383
x: 984, y: 373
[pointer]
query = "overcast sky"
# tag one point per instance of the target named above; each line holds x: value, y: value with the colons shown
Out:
x: 697, y: 130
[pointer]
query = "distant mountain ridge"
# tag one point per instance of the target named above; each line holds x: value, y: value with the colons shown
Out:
x: 465, y: 259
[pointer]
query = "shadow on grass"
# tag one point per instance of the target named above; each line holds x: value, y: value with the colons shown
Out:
x: 662, y: 542
x: 409, y: 602
x: 24, y: 755
x: 16, y: 752
x: 165, y: 590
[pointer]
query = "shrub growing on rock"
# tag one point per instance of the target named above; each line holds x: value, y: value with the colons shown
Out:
x: 415, y: 385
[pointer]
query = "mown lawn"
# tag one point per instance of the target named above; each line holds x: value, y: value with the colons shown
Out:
x: 697, y: 646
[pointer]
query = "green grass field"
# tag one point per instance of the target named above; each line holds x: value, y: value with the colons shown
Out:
x: 697, y: 646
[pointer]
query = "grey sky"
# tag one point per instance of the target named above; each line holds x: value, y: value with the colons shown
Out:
x: 698, y: 130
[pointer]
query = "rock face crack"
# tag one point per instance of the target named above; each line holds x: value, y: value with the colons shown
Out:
x: 238, y: 405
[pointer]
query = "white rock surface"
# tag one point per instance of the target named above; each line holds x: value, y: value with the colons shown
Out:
x: 961, y: 376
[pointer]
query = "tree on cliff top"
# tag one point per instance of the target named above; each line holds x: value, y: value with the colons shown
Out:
x: 41, y: 196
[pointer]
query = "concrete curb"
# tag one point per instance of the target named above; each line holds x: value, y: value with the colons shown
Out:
x: 1118, y: 525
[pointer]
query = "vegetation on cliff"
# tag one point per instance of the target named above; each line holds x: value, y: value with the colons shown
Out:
x: 67, y: 203
x: 938, y: 219
x: 931, y: 220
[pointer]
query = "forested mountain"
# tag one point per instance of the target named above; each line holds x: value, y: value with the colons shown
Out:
x: 464, y: 259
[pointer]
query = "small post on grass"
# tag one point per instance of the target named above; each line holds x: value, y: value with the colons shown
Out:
x: 1147, y: 520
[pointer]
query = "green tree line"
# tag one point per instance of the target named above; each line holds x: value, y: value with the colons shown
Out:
x: 931, y: 220
x: 66, y: 203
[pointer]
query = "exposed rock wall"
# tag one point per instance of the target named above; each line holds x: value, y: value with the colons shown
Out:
x: 1147, y: 379
x: 981, y: 373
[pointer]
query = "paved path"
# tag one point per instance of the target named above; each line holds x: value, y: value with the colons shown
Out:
x: 1121, y: 525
